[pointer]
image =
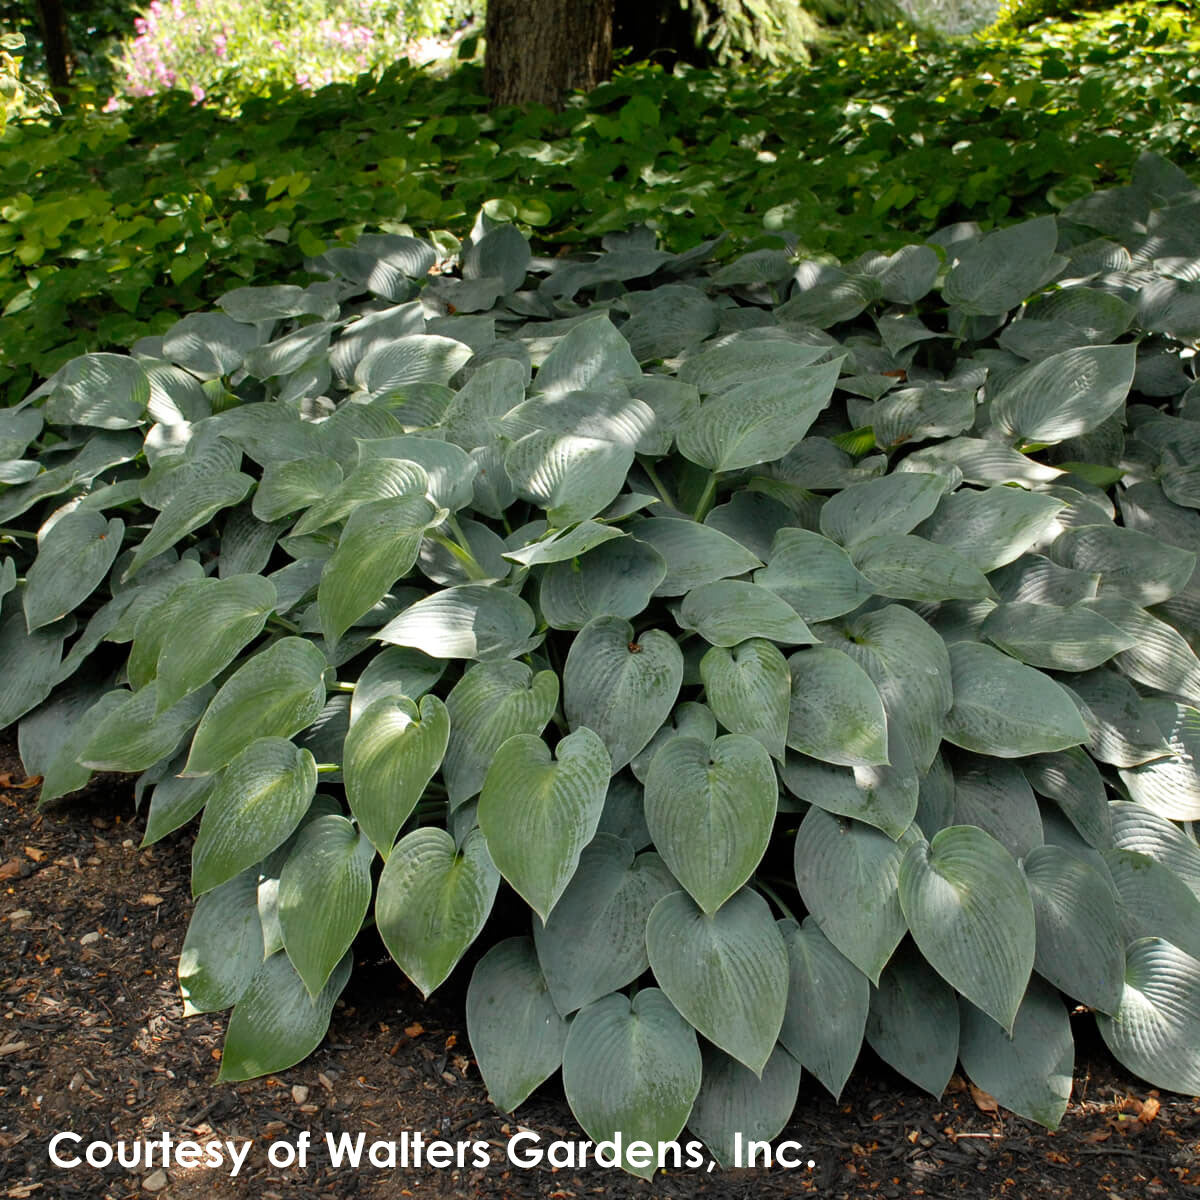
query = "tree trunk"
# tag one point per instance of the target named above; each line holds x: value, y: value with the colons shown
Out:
x: 58, y: 47
x: 538, y: 50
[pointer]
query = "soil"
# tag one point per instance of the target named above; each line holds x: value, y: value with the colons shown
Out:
x: 92, y: 1039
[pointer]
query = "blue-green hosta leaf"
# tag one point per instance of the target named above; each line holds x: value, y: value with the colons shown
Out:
x: 1073, y: 781
x: 729, y: 363
x: 997, y: 798
x: 981, y: 461
x: 210, y: 344
x: 324, y: 891
x: 102, y: 391
x: 378, y: 546
x: 910, y: 667
x: 1030, y: 1071
x: 394, y: 671
x: 473, y: 416
x: 503, y: 252
x: 1004, y: 268
x: 433, y: 900
x: 564, y: 544
x: 491, y: 703
x: 1006, y: 709
x: 469, y: 621
x: 892, y: 504
x: 538, y: 814
x: 375, y: 479
x: 616, y: 579
x: 572, y: 477
x: 694, y: 554
x: 757, y: 421
x: 253, y: 807
x: 223, y: 948
x: 73, y: 557
x: 293, y: 484
x: 848, y: 876
x: 813, y: 574
x: 1160, y: 656
x: 593, y: 356
x: 668, y: 320
x: 689, y: 720
x: 276, y: 1023
x: 621, y: 687
x: 991, y: 527
x: 1060, y: 639
x: 195, y: 503
x: 885, y: 797
x: 1080, y: 945
x: 828, y: 1000
x: 1153, y: 902
x: 277, y: 693
x: 749, y: 689
x: 1136, y: 828
x: 138, y: 733
x: 174, y: 802
x: 60, y: 769
x: 517, y: 1035
x: 913, y: 1021
x: 1134, y: 565
x: 391, y: 753
x: 449, y: 469
x: 415, y: 358
x: 1065, y: 395
x: 1120, y: 728
x: 835, y: 712
x: 604, y: 416
x: 906, y: 567
x: 726, y: 972
x: 729, y: 611
x: 917, y: 414
x: 1170, y: 785
x: 595, y: 939
x: 710, y: 810
x: 752, y: 518
x: 733, y: 1103
x: 828, y: 301
x: 968, y: 907
x: 632, y: 1067
x: 207, y: 633
x: 1156, y: 1030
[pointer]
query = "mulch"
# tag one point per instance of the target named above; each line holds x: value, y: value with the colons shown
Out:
x: 93, y: 1040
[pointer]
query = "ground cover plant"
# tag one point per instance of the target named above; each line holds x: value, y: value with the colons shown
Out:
x: 752, y: 657
x: 112, y: 226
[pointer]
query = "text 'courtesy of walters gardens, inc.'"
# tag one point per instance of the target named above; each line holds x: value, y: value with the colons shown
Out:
x: 410, y: 1150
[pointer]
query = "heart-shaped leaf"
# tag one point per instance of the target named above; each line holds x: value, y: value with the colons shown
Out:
x: 391, y: 754
x: 433, y: 900
x: 710, y: 810
x: 726, y: 972
x: 538, y: 814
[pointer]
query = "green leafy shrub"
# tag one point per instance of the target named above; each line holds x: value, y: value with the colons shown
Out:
x: 112, y: 226
x: 808, y: 646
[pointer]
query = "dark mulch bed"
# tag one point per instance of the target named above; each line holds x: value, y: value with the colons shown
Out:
x: 92, y: 1039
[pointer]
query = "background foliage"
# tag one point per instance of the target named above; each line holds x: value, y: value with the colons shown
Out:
x: 114, y: 223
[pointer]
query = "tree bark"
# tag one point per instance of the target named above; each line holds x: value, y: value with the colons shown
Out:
x: 539, y: 50
x: 53, y: 21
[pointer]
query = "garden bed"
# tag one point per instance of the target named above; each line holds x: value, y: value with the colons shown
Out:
x: 93, y: 1039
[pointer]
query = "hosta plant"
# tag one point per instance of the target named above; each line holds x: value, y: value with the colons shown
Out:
x: 750, y: 656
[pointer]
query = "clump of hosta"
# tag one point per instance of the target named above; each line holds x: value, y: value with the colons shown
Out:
x: 807, y: 649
